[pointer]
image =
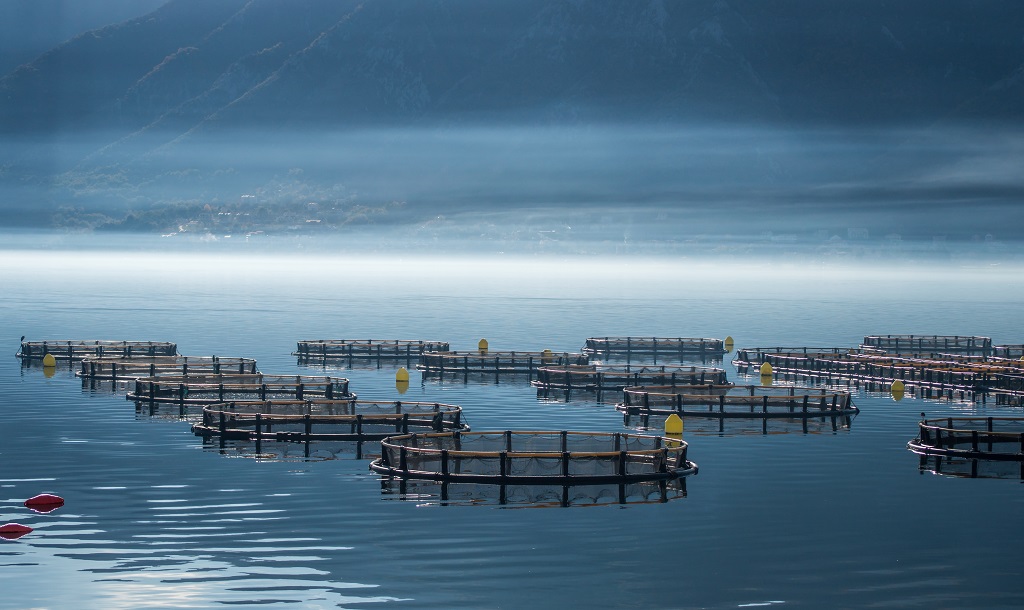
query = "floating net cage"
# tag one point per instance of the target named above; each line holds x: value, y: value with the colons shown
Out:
x: 534, y: 458
x: 325, y: 420
x: 947, y: 344
x: 134, y: 367
x: 494, y: 363
x: 977, y: 438
x: 749, y: 401
x: 365, y: 349
x: 1014, y: 352
x: 77, y: 350
x: 653, y: 348
x: 207, y: 389
x: 533, y: 496
x: 936, y: 374
x: 613, y: 378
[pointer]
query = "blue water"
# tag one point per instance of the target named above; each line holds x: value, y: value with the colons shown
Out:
x: 155, y: 519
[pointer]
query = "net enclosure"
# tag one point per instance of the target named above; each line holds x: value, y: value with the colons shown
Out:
x: 987, y: 438
x: 607, y: 377
x: 629, y: 348
x: 495, y: 362
x: 77, y: 349
x: 909, y: 344
x: 536, y: 496
x: 325, y: 420
x: 534, y: 457
x: 972, y: 375
x: 748, y: 401
x: 206, y: 389
x: 398, y: 349
x: 134, y: 367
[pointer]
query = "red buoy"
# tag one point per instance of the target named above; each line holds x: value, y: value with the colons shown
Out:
x: 44, y: 503
x: 13, y: 531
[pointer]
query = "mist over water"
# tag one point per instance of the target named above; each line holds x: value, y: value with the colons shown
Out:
x: 652, y: 181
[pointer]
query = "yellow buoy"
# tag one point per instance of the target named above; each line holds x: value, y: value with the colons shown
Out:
x: 897, y: 390
x: 49, y: 361
x: 402, y: 386
x: 546, y: 356
x: 673, y: 424
x: 766, y: 380
x: 482, y: 346
x: 402, y: 375
x: 48, y: 371
x: 766, y: 369
x: 729, y: 343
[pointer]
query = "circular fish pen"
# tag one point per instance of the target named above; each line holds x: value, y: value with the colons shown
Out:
x: 534, y: 458
x: 76, y: 350
x: 325, y: 420
x: 366, y: 349
x: 721, y: 402
x: 915, y: 344
x: 134, y: 367
x: 494, y: 363
x: 613, y: 378
x: 986, y: 438
x: 207, y: 389
x: 653, y: 348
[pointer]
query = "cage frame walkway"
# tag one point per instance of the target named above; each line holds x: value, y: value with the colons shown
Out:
x: 77, y: 349
x: 641, y: 348
x: 397, y: 451
x: 135, y: 367
x: 253, y: 420
x: 258, y: 386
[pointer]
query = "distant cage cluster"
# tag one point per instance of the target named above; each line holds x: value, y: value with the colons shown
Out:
x: 947, y: 344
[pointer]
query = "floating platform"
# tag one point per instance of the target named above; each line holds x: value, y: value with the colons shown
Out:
x: 976, y: 438
x: 534, y: 458
x: 325, y: 420
x: 751, y: 402
x: 613, y: 378
x: 494, y: 363
x: 364, y: 349
x: 653, y: 348
x: 77, y: 350
x: 134, y: 367
x: 916, y: 344
x: 207, y: 389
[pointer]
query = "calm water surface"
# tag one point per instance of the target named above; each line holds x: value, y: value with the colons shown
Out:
x: 155, y: 519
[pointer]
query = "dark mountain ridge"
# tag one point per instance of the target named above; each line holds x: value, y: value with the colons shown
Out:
x: 199, y: 98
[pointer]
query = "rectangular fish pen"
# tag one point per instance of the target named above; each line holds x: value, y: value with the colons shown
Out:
x: 77, y: 350
x: 654, y: 348
x: 613, y: 378
x: 494, y: 363
x: 206, y: 389
x: 378, y: 349
x: 910, y: 344
x: 133, y: 367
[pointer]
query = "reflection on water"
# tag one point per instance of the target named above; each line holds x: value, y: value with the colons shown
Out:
x: 156, y: 517
x: 530, y: 496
